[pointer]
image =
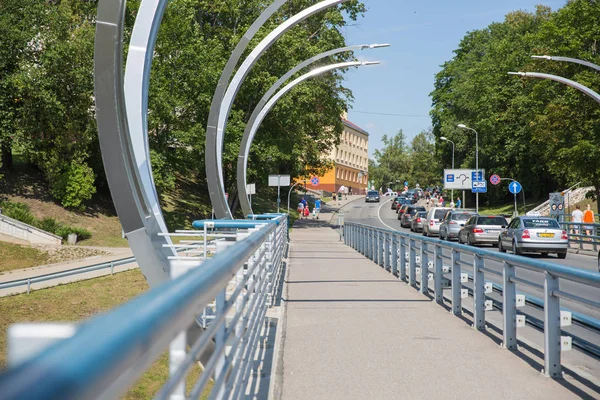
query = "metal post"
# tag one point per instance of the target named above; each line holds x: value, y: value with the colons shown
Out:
x: 552, y: 366
x: 394, y: 255
x: 402, y: 258
x: 438, y: 275
x: 516, y: 211
x: 386, y: 251
x: 456, y: 284
x: 424, y: 268
x: 112, y: 268
x: 412, y: 279
x: 380, y: 244
x: 478, y: 293
x: 509, y: 307
x: 279, y: 192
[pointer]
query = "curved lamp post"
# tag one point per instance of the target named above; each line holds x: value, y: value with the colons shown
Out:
x: 448, y: 140
x: 246, y: 140
x: 560, y: 79
x: 463, y: 126
x: 265, y: 110
x: 215, y: 133
x: 571, y: 60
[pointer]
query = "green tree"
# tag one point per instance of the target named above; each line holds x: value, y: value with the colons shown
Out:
x: 392, y: 162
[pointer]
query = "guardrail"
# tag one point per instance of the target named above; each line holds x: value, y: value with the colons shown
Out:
x: 582, y: 233
x: 397, y: 252
x: 107, y: 354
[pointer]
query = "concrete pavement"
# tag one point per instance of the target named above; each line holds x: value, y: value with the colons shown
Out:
x: 352, y: 330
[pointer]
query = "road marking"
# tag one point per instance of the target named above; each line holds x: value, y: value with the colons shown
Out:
x: 379, y: 216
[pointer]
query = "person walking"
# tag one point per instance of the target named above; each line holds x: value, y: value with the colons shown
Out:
x: 301, y: 209
x: 334, y: 198
x: 317, y: 208
x: 458, y: 202
x: 588, y: 218
x: 576, y: 218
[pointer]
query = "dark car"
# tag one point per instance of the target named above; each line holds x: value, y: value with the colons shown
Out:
x: 409, y: 214
x: 372, y: 195
x: 402, y: 209
x: 399, y: 201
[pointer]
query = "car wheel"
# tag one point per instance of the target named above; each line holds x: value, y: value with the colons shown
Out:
x: 470, y: 240
x: 500, y: 248
x: 460, y: 238
x: 515, y: 249
x: 562, y: 256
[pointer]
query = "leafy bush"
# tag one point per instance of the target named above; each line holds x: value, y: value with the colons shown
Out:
x: 48, y: 224
x: 74, y: 185
x: 18, y: 211
x: 64, y: 231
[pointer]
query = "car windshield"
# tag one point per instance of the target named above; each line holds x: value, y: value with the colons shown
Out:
x: 373, y: 193
x: 541, y: 223
x: 461, y: 217
x: 491, y: 221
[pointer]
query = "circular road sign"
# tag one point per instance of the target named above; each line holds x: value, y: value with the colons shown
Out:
x: 514, y: 187
x: 314, y: 180
x: 495, y: 179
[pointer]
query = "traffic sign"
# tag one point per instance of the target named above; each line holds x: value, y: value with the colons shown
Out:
x: 477, y: 176
x: 479, y: 187
x: 314, y: 180
x: 405, y: 183
x: 514, y: 187
x: 495, y: 179
x: 460, y: 179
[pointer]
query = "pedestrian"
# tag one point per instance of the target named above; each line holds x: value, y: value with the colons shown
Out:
x: 317, y: 207
x: 451, y: 203
x: 339, y: 198
x: 441, y: 201
x: 304, y: 202
x: 334, y: 198
x: 301, y: 209
x: 306, y: 211
x: 576, y: 219
x: 588, y: 218
x: 458, y: 202
x: 350, y: 191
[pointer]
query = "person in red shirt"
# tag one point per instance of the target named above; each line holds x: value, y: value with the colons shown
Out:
x: 588, y: 218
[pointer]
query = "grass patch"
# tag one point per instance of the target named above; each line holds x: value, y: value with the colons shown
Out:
x: 79, y: 301
x: 509, y: 208
x: 15, y: 256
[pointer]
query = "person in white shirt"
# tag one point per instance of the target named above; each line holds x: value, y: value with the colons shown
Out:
x: 577, y: 217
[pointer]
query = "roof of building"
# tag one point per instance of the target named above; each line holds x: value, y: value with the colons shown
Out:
x: 354, y: 126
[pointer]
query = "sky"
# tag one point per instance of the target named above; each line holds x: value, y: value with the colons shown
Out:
x: 423, y: 35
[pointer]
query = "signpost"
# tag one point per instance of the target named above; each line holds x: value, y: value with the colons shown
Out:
x: 557, y: 205
x: 315, y: 180
x: 495, y: 179
x: 515, y: 187
x: 251, y: 189
x: 279, y: 181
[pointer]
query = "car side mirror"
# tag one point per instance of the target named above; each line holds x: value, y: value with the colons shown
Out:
x: 503, y: 227
x: 441, y: 219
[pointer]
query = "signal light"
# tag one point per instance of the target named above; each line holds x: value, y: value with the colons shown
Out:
x: 525, y: 234
x: 477, y: 230
x: 564, y: 236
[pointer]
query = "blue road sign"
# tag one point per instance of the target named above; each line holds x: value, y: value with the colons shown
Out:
x: 479, y: 187
x: 405, y: 183
x: 450, y: 178
x: 495, y: 179
x: 477, y: 176
x: 315, y: 180
x: 514, y: 187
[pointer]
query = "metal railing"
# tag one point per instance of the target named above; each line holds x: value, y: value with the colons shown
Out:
x: 107, y: 354
x: 397, y: 252
x: 581, y: 233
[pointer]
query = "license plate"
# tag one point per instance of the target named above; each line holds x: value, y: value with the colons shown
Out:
x: 491, y: 231
x: 546, y: 235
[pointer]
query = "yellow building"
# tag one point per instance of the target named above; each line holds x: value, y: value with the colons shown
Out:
x: 351, y: 162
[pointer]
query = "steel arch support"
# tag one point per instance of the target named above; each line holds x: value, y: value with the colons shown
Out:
x: 215, y: 132
x: 584, y: 89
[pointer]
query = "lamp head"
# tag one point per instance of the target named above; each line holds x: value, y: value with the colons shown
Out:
x: 377, y: 45
x: 544, y: 57
x: 463, y: 126
x: 370, y: 62
x: 443, y: 138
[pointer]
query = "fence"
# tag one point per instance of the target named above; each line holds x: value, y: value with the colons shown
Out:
x: 106, y: 355
x: 391, y: 249
x: 582, y: 234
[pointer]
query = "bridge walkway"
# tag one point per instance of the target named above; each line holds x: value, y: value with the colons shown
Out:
x: 351, y: 330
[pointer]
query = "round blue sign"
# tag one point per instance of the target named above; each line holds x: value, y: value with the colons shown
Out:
x: 495, y: 179
x: 514, y: 187
x: 314, y: 180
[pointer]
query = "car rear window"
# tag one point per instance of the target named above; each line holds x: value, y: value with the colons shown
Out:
x: 541, y: 223
x: 461, y: 217
x: 491, y: 221
x: 373, y: 193
x: 437, y: 214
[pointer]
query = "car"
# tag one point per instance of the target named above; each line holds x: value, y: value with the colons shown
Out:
x: 402, y: 209
x: 482, y: 229
x: 416, y: 224
x: 398, y: 201
x: 391, y: 194
x: 408, y: 215
x: 534, y: 234
x: 433, y: 220
x: 453, y: 222
x: 372, y: 195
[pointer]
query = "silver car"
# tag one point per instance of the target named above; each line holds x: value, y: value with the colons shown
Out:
x: 433, y: 220
x: 453, y: 222
x: 416, y: 225
x: 482, y: 229
x: 534, y: 234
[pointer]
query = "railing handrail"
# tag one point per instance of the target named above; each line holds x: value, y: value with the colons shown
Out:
x: 128, y: 337
x: 22, y: 225
x: 565, y: 272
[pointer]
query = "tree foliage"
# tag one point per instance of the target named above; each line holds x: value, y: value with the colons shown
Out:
x: 542, y: 133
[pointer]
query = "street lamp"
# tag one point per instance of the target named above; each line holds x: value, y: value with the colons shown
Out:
x: 568, y: 59
x: 463, y: 126
x: 448, y: 140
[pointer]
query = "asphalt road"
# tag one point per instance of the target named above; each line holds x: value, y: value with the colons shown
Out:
x: 381, y: 215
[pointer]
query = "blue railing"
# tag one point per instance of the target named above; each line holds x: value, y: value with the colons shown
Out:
x: 106, y: 355
x: 397, y: 252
